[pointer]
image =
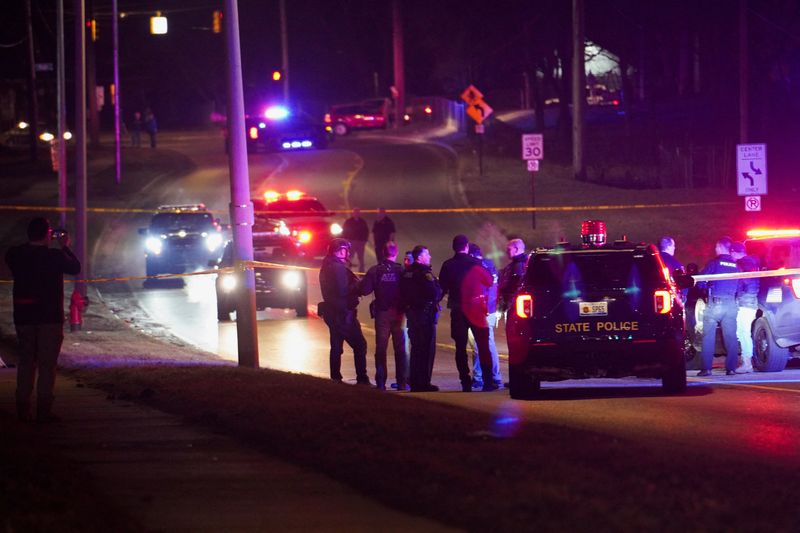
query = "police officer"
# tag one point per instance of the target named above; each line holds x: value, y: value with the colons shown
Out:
x: 421, y: 295
x: 721, y: 309
x: 666, y: 247
x: 747, y: 300
x: 453, y: 276
x: 512, y: 273
x: 339, y: 288
x: 384, y: 280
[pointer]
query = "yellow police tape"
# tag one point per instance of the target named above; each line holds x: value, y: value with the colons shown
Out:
x: 528, y: 209
x: 747, y: 275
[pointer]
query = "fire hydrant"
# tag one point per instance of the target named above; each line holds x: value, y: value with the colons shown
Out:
x: 77, y: 304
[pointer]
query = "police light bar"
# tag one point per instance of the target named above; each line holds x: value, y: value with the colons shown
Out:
x: 767, y: 233
x: 294, y: 195
x: 276, y: 112
x: 271, y: 196
x: 593, y: 233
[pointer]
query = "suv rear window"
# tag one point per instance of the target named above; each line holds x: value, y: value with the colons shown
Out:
x: 578, y: 271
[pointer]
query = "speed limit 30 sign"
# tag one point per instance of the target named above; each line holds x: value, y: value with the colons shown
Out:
x: 532, y: 146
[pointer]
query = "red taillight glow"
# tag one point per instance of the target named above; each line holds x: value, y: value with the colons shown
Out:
x: 254, y: 133
x: 428, y: 110
x: 327, y: 118
x: 304, y: 236
x: 663, y: 301
x: 524, y: 306
x: 294, y: 195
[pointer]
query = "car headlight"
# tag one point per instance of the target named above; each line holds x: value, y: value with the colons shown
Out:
x: 291, y: 279
x: 154, y: 245
x: 46, y: 137
x: 228, y: 282
x: 336, y: 229
x: 213, y: 241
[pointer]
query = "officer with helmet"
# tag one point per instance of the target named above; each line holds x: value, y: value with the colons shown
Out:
x: 721, y: 309
x: 339, y: 288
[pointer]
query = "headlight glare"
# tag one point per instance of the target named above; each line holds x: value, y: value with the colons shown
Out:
x: 291, y: 279
x: 213, y: 241
x: 154, y: 245
x: 228, y: 282
x: 336, y: 229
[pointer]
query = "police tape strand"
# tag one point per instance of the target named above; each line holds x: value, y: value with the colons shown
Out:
x: 747, y: 275
x: 529, y: 209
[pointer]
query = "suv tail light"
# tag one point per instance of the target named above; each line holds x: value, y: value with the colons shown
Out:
x: 524, y: 306
x: 663, y: 301
x: 254, y: 133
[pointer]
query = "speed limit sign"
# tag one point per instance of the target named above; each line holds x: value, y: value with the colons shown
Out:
x: 532, y: 146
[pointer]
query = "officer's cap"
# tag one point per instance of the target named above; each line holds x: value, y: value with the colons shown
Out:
x: 337, y: 244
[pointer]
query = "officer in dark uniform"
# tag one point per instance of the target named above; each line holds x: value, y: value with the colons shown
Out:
x: 666, y: 248
x: 721, y: 309
x: 384, y: 280
x: 512, y: 274
x: 339, y: 288
x: 421, y: 295
x: 452, y: 277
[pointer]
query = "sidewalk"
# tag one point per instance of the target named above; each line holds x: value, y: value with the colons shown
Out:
x: 172, y: 477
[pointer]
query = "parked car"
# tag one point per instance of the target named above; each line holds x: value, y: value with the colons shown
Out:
x: 341, y: 119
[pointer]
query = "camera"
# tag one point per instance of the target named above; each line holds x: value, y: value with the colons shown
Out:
x: 59, y: 233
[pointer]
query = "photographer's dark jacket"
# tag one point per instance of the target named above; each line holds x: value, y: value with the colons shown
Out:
x: 39, y: 282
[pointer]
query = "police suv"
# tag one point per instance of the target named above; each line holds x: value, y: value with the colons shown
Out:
x: 181, y: 237
x: 597, y: 310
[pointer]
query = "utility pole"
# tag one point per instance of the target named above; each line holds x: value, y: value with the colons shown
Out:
x: 62, y: 115
x: 743, y: 74
x: 284, y: 53
x: 116, y: 94
x: 399, y: 70
x: 578, y: 89
x: 80, y: 145
x: 241, y: 208
x: 33, y: 101
x: 91, y: 82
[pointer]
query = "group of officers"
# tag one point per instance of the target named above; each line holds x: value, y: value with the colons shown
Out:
x: 731, y: 303
x: 406, y: 307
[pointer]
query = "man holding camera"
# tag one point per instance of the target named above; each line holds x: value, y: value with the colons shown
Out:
x: 38, y: 272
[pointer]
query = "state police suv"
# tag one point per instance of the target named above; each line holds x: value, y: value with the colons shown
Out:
x: 597, y: 310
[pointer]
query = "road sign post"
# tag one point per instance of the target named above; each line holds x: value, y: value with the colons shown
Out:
x: 532, y: 153
x: 478, y: 110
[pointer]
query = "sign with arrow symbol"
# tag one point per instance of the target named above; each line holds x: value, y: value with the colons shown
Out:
x: 751, y: 169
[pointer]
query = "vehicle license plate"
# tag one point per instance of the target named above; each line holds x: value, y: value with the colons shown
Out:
x: 593, y: 308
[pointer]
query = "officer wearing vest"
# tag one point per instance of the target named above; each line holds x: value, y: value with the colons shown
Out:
x: 383, y: 280
x: 421, y: 295
x: 721, y: 309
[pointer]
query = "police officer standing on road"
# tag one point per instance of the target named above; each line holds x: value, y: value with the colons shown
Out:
x: 452, y: 276
x: 721, y: 309
x: 747, y: 300
x: 356, y: 230
x: 384, y: 280
x: 339, y: 288
x: 383, y: 231
x: 512, y: 273
x: 421, y: 295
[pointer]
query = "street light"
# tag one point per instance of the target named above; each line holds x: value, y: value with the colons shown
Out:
x: 158, y: 24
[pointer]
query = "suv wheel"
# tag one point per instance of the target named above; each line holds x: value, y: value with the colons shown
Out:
x: 340, y: 129
x: 522, y: 386
x: 767, y: 356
